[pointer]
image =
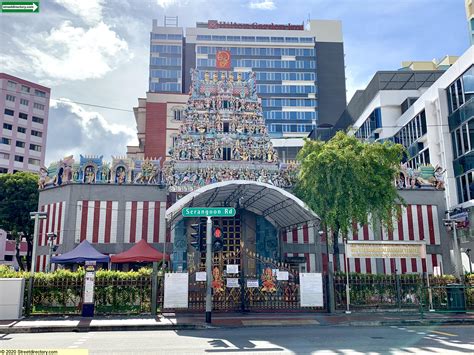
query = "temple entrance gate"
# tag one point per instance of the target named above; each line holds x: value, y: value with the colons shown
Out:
x: 252, y: 273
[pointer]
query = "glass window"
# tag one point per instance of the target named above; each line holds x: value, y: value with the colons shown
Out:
x: 23, y: 115
x: 460, y: 92
x: 468, y: 84
x: 218, y: 38
x: 37, y: 119
x: 20, y: 144
x: 263, y: 39
x: 9, y: 112
x: 24, y: 102
x: 465, y: 138
x: 464, y: 188
x: 453, y: 96
x: 21, y: 129
x: 36, y: 133
x: 25, y: 89
x: 11, y: 85
x: 459, y: 142
x: 38, y: 106
x: 19, y: 158
x: 33, y: 161
x: 6, y: 141
x: 40, y: 93
x: 4, y: 155
x: 248, y: 39
x: 7, y: 126
x: 470, y: 185
x: 35, y: 147
x: 10, y: 98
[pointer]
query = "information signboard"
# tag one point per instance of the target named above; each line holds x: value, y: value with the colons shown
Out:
x: 176, y: 290
x: 311, y: 286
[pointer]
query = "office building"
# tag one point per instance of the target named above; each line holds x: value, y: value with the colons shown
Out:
x: 299, y: 68
x: 470, y: 19
x: 24, y: 120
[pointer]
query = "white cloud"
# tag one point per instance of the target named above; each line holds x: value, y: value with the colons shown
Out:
x: 75, y: 130
x: 167, y: 3
x: 74, y: 53
x: 262, y: 5
x: 89, y: 10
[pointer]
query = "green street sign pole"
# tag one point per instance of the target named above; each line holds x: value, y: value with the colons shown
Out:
x: 19, y: 6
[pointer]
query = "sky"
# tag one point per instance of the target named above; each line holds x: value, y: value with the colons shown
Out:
x: 96, y: 52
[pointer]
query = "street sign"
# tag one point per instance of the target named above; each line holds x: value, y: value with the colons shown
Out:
x: 208, y: 212
x: 19, y: 6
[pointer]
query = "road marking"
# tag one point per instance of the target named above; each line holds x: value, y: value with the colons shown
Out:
x: 443, y: 333
x: 421, y: 333
x: 410, y: 331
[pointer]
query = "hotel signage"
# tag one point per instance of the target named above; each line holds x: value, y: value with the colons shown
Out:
x: 213, y: 24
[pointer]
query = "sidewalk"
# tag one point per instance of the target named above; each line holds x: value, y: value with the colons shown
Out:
x: 171, y: 321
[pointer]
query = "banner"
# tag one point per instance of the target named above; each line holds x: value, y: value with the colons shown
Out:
x: 223, y: 59
x: 385, y: 249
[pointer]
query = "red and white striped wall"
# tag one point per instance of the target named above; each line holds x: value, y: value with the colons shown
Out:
x: 146, y: 220
x: 301, y: 235
x: 96, y: 221
x: 53, y: 223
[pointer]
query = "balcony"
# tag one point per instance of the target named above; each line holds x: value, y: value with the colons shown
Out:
x: 461, y: 115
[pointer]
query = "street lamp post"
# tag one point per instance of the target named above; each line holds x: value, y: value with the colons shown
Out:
x: 348, y: 289
x: 51, y: 237
x: 36, y: 216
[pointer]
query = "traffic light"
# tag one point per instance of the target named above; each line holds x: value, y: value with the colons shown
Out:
x: 196, y: 236
x: 217, y: 239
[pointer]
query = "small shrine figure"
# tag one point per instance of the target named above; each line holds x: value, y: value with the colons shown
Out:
x: 438, y: 174
x: 90, y: 175
x: 43, y: 178
x: 217, y: 282
x: 268, y: 281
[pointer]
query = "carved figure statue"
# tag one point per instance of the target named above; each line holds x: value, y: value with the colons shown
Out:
x: 268, y: 281
x: 43, y: 178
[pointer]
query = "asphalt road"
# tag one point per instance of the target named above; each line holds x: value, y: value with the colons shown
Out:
x: 258, y: 340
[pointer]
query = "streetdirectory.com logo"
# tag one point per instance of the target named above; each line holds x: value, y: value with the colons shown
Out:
x: 19, y: 6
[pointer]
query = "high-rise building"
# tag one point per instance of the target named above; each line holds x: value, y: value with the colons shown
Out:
x: 470, y: 19
x: 24, y: 120
x: 299, y: 68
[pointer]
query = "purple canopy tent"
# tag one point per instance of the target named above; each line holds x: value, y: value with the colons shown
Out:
x: 83, y: 252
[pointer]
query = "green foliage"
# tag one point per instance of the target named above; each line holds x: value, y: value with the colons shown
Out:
x: 18, y: 197
x: 344, y: 180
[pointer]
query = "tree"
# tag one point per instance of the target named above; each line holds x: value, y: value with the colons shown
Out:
x: 19, y: 197
x: 345, y: 180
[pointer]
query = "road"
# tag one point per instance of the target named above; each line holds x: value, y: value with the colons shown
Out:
x: 256, y: 340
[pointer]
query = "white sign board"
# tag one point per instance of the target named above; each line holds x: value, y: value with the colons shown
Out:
x: 385, y: 249
x: 282, y: 275
x: 89, y: 287
x: 252, y: 283
x: 311, y: 287
x: 233, y: 282
x: 176, y: 290
x: 201, y: 276
x: 232, y: 269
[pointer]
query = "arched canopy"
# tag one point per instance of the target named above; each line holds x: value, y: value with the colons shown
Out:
x: 278, y: 206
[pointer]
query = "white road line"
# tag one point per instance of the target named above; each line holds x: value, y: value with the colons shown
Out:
x: 421, y: 333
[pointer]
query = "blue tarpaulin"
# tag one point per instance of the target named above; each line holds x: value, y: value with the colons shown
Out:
x: 83, y: 252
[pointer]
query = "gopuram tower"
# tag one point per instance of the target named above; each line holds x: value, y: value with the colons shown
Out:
x: 223, y: 136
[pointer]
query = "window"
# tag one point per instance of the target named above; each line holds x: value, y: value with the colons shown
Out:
x: 19, y: 158
x: 37, y: 119
x: 9, y: 112
x: 7, y: 126
x: 35, y: 147
x: 10, y: 98
x: 3, y: 170
x: 8, y: 257
x: 20, y: 144
x: 40, y: 93
x: 4, y: 155
x: 36, y: 133
x: 24, y: 102
x: 11, y: 85
x: 177, y: 115
x: 23, y: 115
x: 25, y: 89
x: 21, y: 129
x: 33, y: 161
x: 7, y: 141
x: 38, y: 106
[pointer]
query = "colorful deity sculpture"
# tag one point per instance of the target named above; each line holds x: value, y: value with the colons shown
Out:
x: 268, y: 281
